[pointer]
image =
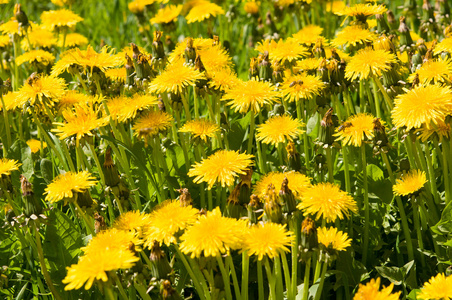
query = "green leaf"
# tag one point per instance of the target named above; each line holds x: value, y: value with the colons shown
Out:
x: 21, y: 151
x: 444, y: 226
x: 413, y: 294
x: 46, y: 167
x: 61, y: 245
x: 312, y: 128
x: 392, y: 273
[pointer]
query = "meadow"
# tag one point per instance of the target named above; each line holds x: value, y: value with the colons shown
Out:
x: 227, y: 149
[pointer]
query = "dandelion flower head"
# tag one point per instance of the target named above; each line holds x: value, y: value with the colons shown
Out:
x: 301, y: 87
x: 167, y: 14
x: 371, y: 291
x: 152, y: 123
x: 58, y: 19
x: 368, y: 62
x: 279, y: 129
x: 203, y: 10
x: 410, y: 183
x: 356, y: 129
x: 201, y: 128
x: 8, y: 165
x: 298, y: 183
x: 65, y: 185
x: 334, y: 239
x: 267, y: 239
x: 438, y: 287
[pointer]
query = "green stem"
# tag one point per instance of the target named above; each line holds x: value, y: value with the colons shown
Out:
x: 301, y: 114
x: 119, y: 284
x: 45, y: 272
x: 287, y: 278
x: 417, y: 225
x: 260, y: 280
x: 322, y: 281
x: 142, y: 291
x: 383, y: 91
x: 85, y: 218
x: 431, y: 171
x: 108, y: 291
x: 201, y: 291
x: 245, y: 274
x: 294, y: 252
x: 251, y: 133
x: 366, y: 205
x: 186, y: 106
x: 329, y: 161
x: 271, y: 279
x: 306, y: 280
x: 278, y: 277
x: 225, y: 275
x: 8, y: 130
x: 447, y: 166
x: 377, y: 99
x: 231, y: 267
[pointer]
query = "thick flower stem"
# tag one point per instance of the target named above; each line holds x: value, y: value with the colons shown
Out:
x: 142, y: 291
x: 108, y: 292
x: 301, y: 114
x: 329, y: 161
x: 260, y: 280
x: 348, y: 187
x: 201, y: 289
x: 182, y: 142
x: 447, y: 170
x: 251, y: 133
x: 119, y: 284
x: 186, y: 106
x: 85, y: 218
x: 230, y: 265
x: 287, y: 278
x: 377, y: 99
x: 245, y: 274
x: 431, y: 171
x: 322, y: 281
x: 225, y: 275
x: 43, y: 264
x: 366, y: 205
x: 8, y: 130
x: 294, y: 251
x: 417, y: 225
x: 306, y: 279
x: 278, y: 277
x: 96, y: 161
x: 271, y: 280
x: 383, y: 91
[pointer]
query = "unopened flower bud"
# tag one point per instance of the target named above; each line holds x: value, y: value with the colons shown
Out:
x: 308, y: 238
x: 254, y: 209
x: 32, y: 206
x: 293, y: 157
x: 160, y: 266
x: 190, y: 52
x: 272, y: 208
x: 185, y: 197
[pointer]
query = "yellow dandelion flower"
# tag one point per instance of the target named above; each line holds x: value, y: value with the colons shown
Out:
x: 372, y: 23
x: 72, y: 98
x: 308, y: 35
x: 250, y: 95
x: 135, y: 104
x: 353, y: 35
x: 167, y: 220
x: 133, y: 221
x: 283, y: 51
x: 214, y: 58
x: 251, y: 7
x: 137, y: 6
x: 175, y: 79
x: 336, y: 6
x: 8, y: 165
x: 307, y: 64
x: 298, y: 183
x: 115, y: 106
x: 73, y: 40
x: 362, y: 10
x: 38, y: 37
x: 213, y: 235
x: 279, y: 129
x: 110, y: 239
x: 81, y: 120
x: 444, y: 46
x: 437, y: 288
x: 356, y: 129
x: 410, y: 183
x: 221, y: 167
x: 371, y: 291
x: 42, y: 87
x: 5, y: 41
x: 266, y: 45
x: 301, y: 86
x: 422, y: 105
x: 36, y: 56
x: 223, y: 79
x: 65, y: 185
x: 167, y: 14
x: 62, y: 2
x: 118, y: 74
x: 267, y: 239
x: 440, y: 130
x: 129, y: 51
x: 87, y: 60
x: 433, y: 71
x: 36, y: 145
x: 107, y: 251
x: 13, y: 101
x: 203, y: 10
x: 327, y: 201
x: 199, y: 44
x: 58, y: 19
x: 333, y: 239
x: 201, y: 128
x: 369, y: 62
x: 152, y: 123
x: 12, y: 27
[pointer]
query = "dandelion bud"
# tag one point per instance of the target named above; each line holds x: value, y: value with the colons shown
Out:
x: 382, y: 25
x: 380, y: 139
x: 405, y: 36
x: 251, y: 8
x: 391, y: 20
x: 110, y: 170
x: 157, y: 46
x: 427, y: 11
x: 272, y: 208
x: 169, y: 44
x: 265, y: 67
x: 319, y: 51
x: 20, y: 16
x: 278, y: 73
x: 168, y: 292
x: 327, y: 128
x: 293, y: 157
x: 253, y: 71
x: 308, y: 238
x: 254, y: 208
x: 161, y: 104
x: 385, y: 43
x: 233, y: 207
x: 84, y: 199
x: 416, y: 61
x: 99, y: 223
x: 322, y: 71
x: 185, y: 197
x: 160, y: 266
x: 190, y: 52
x: 142, y: 67
x: 32, y: 206
x: 404, y: 165
x: 287, y: 198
